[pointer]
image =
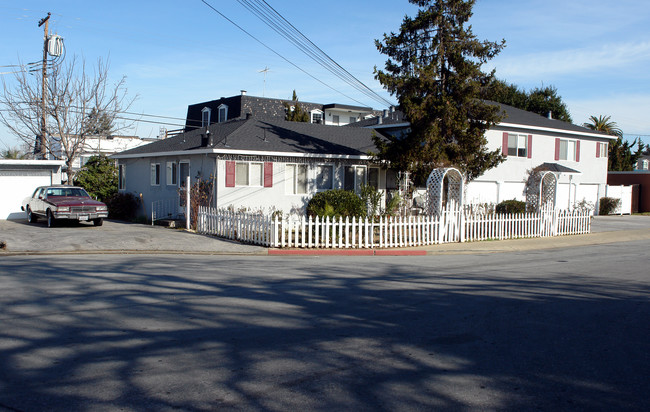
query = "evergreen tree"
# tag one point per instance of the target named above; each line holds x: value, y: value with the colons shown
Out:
x: 98, y: 177
x: 434, y: 69
x: 621, y: 158
x: 542, y: 100
x: 294, y: 111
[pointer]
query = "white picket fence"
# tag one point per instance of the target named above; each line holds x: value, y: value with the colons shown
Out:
x: 387, y: 232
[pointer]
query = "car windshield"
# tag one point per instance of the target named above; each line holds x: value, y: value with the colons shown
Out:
x: 67, y: 191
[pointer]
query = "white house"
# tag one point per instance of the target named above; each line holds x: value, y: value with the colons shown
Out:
x: 271, y: 164
x: 256, y: 164
x: 576, y: 155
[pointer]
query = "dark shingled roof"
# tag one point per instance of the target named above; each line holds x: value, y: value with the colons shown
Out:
x: 512, y: 115
x: 269, y: 136
x: 554, y: 167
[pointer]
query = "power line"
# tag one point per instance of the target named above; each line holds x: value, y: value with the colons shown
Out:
x: 276, y: 53
x: 282, y: 26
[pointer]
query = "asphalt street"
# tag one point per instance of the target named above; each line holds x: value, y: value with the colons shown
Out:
x: 548, y: 330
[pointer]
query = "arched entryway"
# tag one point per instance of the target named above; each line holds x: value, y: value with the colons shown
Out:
x: 444, y: 190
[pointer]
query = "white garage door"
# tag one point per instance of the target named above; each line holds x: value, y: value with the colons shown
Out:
x: 15, y: 188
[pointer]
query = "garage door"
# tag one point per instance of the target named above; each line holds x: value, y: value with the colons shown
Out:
x: 15, y: 188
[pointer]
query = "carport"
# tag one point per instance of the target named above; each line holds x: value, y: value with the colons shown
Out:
x: 19, y: 178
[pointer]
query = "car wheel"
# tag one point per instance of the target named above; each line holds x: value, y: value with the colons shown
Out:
x: 98, y: 221
x: 50, y: 219
x: 31, y: 217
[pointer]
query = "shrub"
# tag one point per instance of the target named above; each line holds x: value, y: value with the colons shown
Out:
x: 511, y: 206
x: 123, y: 206
x: 334, y: 203
x: 608, y: 205
x: 98, y: 177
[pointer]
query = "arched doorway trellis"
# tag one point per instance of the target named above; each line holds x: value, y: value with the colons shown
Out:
x: 444, y: 189
x: 541, y: 190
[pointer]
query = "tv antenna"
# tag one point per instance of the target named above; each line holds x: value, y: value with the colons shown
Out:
x: 265, y: 70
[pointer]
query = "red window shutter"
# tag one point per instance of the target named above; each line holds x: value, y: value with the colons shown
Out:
x: 597, y: 149
x: 504, y: 146
x: 530, y: 146
x: 230, y: 174
x: 557, y: 149
x: 577, y: 150
x: 268, y: 174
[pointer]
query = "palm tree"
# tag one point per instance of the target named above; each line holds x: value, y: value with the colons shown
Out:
x: 12, y: 153
x: 604, y: 124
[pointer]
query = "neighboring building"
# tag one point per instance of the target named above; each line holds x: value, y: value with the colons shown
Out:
x: 237, y: 107
x: 271, y: 164
x: 107, y: 145
x: 643, y: 164
x: 19, y: 179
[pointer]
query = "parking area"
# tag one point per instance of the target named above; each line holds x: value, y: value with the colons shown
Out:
x: 113, y: 236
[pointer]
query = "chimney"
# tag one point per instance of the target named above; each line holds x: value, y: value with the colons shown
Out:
x: 550, y: 114
x: 249, y: 115
x: 385, y: 113
x: 243, y: 92
x: 380, y: 120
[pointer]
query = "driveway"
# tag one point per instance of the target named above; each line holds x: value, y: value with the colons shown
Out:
x: 113, y: 236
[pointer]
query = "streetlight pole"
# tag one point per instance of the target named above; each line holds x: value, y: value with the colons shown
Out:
x: 42, y: 150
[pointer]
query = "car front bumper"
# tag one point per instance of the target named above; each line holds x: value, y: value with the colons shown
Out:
x: 80, y: 216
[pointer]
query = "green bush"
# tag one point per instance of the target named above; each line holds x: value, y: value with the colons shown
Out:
x: 608, y: 205
x: 98, y: 177
x: 334, y: 203
x: 511, y: 206
x: 123, y: 206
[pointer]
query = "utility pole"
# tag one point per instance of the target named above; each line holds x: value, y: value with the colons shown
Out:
x: 43, y: 149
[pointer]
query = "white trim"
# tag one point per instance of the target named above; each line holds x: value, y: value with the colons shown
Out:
x: 549, y: 129
x: 209, y: 111
x: 225, y: 107
x: 16, y: 162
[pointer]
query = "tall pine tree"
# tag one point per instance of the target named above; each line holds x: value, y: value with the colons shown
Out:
x: 434, y: 70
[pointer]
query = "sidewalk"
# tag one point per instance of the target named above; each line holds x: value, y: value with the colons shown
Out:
x: 22, y: 238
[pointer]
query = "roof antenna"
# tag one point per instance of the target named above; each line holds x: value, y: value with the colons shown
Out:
x: 265, y: 70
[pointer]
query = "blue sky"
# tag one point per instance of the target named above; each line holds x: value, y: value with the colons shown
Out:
x: 176, y: 53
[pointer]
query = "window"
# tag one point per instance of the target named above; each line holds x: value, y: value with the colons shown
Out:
x: 335, y: 119
x: 324, y: 177
x: 205, y: 116
x: 184, y: 172
x: 172, y: 173
x: 121, y: 177
x: 601, y: 149
x: 645, y: 164
x: 248, y: 174
x: 296, y: 176
x: 223, y: 113
x: 155, y: 174
x: 355, y: 177
x: 316, y: 116
x: 517, y: 145
x: 353, y: 119
x: 567, y: 150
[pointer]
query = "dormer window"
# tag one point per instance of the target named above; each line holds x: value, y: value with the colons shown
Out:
x: 316, y: 116
x: 223, y: 113
x: 205, y: 116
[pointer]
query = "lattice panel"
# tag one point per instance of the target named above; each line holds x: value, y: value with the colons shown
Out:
x: 541, y: 190
x: 445, y: 187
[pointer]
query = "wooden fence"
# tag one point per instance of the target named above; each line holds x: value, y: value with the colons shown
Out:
x: 388, y: 232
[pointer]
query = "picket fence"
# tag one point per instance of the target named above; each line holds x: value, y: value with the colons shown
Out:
x: 387, y: 232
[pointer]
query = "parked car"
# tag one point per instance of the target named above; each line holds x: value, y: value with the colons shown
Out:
x: 64, y: 202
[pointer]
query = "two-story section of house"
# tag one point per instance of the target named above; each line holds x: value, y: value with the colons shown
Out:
x: 576, y: 155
